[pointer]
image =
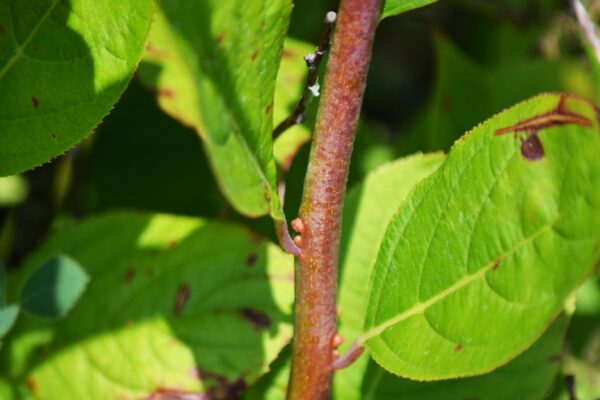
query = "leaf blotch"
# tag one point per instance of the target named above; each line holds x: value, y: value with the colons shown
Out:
x: 166, y: 93
x: 251, y: 260
x: 221, y: 38
x: 129, y: 275
x: 32, y: 386
x: 496, y: 265
x: 35, y: 102
x: 258, y: 319
x: 288, y: 54
x: 183, y: 293
x: 254, y: 55
x: 269, y: 108
x: 458, y: 347
x: 555, y: 359
x: 532, y: 149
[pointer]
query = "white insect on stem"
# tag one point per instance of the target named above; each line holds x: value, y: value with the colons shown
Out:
x: 587, y: 26
x: 315, y: 89
x: 330, y: 17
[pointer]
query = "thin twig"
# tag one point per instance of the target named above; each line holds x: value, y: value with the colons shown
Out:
x: 355, y: 351
x: 313, y: 60
x: 570, y: 381
x: 587, y: 26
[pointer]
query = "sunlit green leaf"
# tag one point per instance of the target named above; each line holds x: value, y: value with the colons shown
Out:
x: 13, y: 190
x: 480, y: 258
x: 175, y: 303
x: 63, y: 64
x: 368, y: 209
x: 394, y: 7
x: 54, y: 288
x: 214, y: 66
x: 527, y: 377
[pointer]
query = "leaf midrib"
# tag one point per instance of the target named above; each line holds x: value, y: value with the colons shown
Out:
x: 421, y: 307
x: 20, y: 48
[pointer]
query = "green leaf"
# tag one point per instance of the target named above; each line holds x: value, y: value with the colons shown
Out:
x: 459, y: 79
x: 8, y: 317
x: 481, y: 256
x: 2, y: 284
x: 368, y: 209
x: 214, y: 66
x: 54, y: 288
x: 395, y: 7
x: 63, y: 64
x: 13, y: 190
x: 174, y: 303
x: 527, y: 377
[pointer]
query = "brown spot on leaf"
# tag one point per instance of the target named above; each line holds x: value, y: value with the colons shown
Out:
x: 221, y: 38
x: 459, y: 347
x: 531, y: 148
x: 269, y: 108
x: 554, y: 359
x: 35, y: 102
x: 288, y: 54
x: 167, y: 93
x: 251, y: 260
x: 258, y: 319
x: 254, y: 55
x: 32, y: 386
x: 496, y: 265
x: 183, y: 293
x: 129, y: 275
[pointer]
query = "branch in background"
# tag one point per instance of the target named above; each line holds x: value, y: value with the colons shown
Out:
x: 570, y: 382
x: 311, y: 89
x: 587, y: 26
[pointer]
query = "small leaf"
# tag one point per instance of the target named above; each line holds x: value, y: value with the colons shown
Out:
x: 184, y: 305
x: 63, y: 64
x: 8, y: 317
x: 481, y: 256
x: 54, y: 288
x: 213, y: 65
x: 395, y: 7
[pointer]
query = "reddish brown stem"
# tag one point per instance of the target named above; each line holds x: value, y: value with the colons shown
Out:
x: 321, y: 209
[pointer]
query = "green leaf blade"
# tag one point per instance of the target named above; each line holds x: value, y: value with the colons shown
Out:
x: 461, y: 272
x: 59, y: 77
x: 8, y: 317
x: 395, y: 7
x: 54, y: 288
x: 173, y: 303
x: 368, y: 209
x: 221, y: 82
